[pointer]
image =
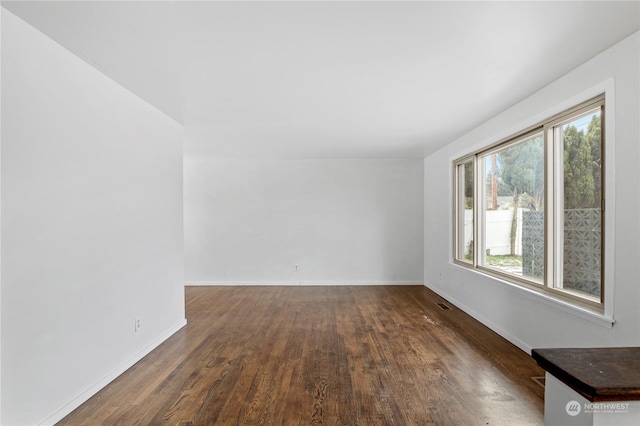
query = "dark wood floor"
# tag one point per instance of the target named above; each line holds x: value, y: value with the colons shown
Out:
x: 366, y: 355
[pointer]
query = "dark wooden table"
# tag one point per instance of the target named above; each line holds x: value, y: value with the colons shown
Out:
x: 598, y: 374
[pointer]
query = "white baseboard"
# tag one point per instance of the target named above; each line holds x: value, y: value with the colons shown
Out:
x: 510, y: 337
x: 298, y: 283
x: 84, y: 396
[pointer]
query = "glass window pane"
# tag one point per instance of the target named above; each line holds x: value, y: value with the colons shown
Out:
x: 513, y: 209
x: 581, y: 230
x: 465, y: 212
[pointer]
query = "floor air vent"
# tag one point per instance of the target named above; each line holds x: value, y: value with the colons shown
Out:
x: 443, y: 306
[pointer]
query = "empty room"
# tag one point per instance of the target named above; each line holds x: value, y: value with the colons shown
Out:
x: 309, y: 212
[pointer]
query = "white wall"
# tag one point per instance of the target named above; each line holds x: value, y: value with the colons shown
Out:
x: 341, y: 221
x: 91, y: 227
x: 527, y: 319
x: 0, y: 220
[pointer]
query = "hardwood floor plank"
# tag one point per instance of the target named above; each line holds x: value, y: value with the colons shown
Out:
x: 365, y: 355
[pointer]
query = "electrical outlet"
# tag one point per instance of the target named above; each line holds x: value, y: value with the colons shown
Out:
x: 297, y: 268
x: 137, y: 325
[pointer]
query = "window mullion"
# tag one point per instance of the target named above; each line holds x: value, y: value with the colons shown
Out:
x: 550, y: 217
x: 476, y: 209
x: 479, y: 212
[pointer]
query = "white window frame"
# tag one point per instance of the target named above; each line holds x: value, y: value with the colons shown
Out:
x: 594, y: 309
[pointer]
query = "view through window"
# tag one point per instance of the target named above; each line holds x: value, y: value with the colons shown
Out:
x: 530, y: 209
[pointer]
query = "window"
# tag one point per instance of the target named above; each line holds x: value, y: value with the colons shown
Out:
x: 530, y: 209
x: 465, y: 249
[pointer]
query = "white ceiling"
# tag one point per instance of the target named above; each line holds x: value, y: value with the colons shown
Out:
x: 331, y: 79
